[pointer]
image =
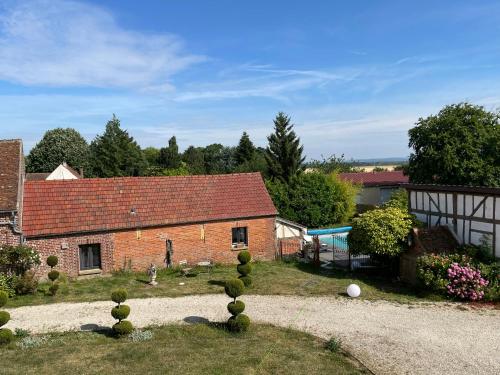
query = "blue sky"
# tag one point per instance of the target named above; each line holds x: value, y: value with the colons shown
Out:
x: 354, y: 76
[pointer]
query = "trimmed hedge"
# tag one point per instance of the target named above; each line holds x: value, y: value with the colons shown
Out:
x: 247, y: 280
x: 4, y: 318
x: 119, y: 295
x: 123, y: 328
x: 244, y: 269
x: 6, y: 336
x: 4, y: 297
x: 244, y: 257
x: 53, y: 275
x: 234, y: 288
x: 236, y: 308
x: 120, y: 312
x: 52, y: 261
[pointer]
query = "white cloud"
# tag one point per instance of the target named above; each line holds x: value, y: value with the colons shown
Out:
x: 65, y: 43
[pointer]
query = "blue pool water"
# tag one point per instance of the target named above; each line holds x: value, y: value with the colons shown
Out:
x: 337, y: 240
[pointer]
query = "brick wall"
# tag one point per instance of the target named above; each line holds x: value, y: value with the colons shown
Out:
x: 67, y: 250
x: 193, y: 243
x: 7, y: 236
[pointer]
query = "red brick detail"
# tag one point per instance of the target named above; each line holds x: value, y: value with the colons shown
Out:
x: 289, y: 246
x: 66, y: 248
x: 375, y: 178
x: 109, y: 204
x: 139, y: 248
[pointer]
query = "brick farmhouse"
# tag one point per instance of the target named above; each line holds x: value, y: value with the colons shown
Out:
x: 100, y: 225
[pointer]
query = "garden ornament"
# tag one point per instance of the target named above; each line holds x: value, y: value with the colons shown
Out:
x: 353, y: 290
x: 152, y: 274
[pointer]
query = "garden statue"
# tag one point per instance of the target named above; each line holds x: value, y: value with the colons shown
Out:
x: 152, y: 274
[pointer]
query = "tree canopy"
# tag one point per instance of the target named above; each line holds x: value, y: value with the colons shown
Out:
x: 284, y: 152
x: 169, y: 156
x: 314, y: 199
x: 245, y: 150
x: 56, y: 146
x: 115, y: 153
x: 460, y: 146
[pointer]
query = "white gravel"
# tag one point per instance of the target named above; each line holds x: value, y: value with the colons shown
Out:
x: 388, y: 338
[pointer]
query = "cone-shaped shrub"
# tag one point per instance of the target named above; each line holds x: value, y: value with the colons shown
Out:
x: 120, y: 312
x: 53, y: 275
x: 6, y: 335
x: 239, y: 322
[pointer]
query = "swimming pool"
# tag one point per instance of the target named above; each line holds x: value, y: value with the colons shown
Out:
x: 339, y: 241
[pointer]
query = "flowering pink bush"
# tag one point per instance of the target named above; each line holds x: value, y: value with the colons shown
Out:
x: 465, y: 282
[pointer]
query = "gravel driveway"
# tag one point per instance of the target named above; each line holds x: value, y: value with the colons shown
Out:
x: 388, y: 338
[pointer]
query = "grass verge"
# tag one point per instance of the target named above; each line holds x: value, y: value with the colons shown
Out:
x: 185, y: 349
x: 270, y: 278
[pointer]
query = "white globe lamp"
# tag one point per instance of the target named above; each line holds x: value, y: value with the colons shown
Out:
x: 353, y: 290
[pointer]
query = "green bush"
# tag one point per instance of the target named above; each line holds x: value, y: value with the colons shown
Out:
x: 234, y: 288
x: 21, y: 333
x: 432, y: 270
x: 491, y: 272
x: 123, y: 328
x: 6, y: 336
x: 236, y: 308
x: 120, y: 312
x: 478, y: 253
x: 334, y: 345
x: 53, y: 275
x: 380, y: 231
x: 53, y: 289
x: 238, y: 323
x: 4, y: 297
x: 119, y: 295
x: 7, y: 284
x: 18, y: 259
x: 4, y: 318
x: 244, y: 269
x: 27, y: 283
x: 52, y: 261
x: 244, y: 257
x: 247, y: 280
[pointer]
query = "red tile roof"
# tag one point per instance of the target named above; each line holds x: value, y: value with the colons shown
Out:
x: 11, y: 170
x: 375, y: 178
x: 87, y: 205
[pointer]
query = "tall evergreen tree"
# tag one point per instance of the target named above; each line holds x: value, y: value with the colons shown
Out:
x: 284, y: 152
x: 169, y: 156
x: 59, y: 145
x: 245, y: 150
x: 115, y: 153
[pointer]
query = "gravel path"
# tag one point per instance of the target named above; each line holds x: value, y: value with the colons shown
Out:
x: 388, y: 338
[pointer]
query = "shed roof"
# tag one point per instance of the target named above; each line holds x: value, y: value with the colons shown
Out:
x: 367, y: 179
x: 93, y: 205
x: 11, y: 170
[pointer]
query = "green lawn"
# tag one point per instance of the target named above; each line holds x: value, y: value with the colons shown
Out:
x: 282, y: 278
x: 188, y: 349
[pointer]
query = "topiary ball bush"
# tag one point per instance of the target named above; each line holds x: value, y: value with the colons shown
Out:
x: 4, y: 318
x: 6, y: 336
x: 4, y: 297
x: 123, y: 328
x: 247, y: 280
x: 53, y: 275
x: 236, y: 308
x: 244, y: 269
x: 239, y: 323
x: 234, y: 288
x: 244, y: 257
x: 119, y: 295
x: 52, y: 261
x: 120, y: 312
x: 53, y: 289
